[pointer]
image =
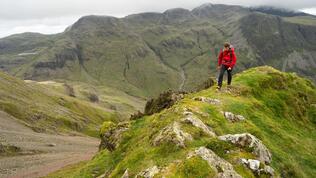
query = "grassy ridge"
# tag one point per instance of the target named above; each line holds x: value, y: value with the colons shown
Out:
x: 279, y: 109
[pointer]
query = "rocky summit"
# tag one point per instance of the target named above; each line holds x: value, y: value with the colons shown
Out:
x: 268, y: 131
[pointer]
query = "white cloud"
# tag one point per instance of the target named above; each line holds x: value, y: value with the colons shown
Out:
x: 310, y: 10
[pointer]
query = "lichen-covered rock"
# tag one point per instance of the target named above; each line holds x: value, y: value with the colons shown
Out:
x: 232, y: 117
x: 172, y: 133
x: 250, y: 141
x: 190, y: 118
x: 111, y: 136
x: 208, y: 100
x: 148, y: 173
x: 223, y: 168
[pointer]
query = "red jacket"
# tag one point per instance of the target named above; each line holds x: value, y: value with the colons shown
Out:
x: 227, y: 58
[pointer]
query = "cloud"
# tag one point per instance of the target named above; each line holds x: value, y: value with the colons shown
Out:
x: 52, y: 16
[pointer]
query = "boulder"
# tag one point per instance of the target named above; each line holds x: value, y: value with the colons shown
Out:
x: 190, y: 118
x: 208, y: 100
x: 111, y: 138
x: 172, y: 133
x: 223, y: 168
x: 232, y: 117
x: 148, y: 173
x: 250, y: 141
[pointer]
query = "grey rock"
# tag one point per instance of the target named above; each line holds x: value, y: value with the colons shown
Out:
x: 250, y: 141
x: 232, y: 117
x: 208, y: 100
x: 148, y: 173
x: 190, y: 118
x: 172, y: 133
x: 223, y: 168
x: 252, y: 164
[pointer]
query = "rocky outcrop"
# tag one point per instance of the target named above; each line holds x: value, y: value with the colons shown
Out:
x: 208, y: 100
x: 190, y: 118
x: 111, y: 138
x: 173, y: 134
x: 250, y: 141
x: 148, y: 173
x: 223, y: 168
x: 165, y: 100
x: 232, y: 117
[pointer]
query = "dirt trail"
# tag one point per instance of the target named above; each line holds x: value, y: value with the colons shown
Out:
x: 40, y: 153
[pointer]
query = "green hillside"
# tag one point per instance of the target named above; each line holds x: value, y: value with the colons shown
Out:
x: 145, y: 54
x: 45, y: 110
x: 188, y: 139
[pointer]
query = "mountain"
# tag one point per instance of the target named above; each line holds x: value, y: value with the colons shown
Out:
x: 44, y: 109
x: 263, y: 126
x: 144, y: 54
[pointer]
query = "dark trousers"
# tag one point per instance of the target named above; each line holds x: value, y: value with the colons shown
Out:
x: 221, y: 75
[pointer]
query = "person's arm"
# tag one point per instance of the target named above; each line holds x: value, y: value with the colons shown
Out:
x: 220, y: 58
x: 234, y: 59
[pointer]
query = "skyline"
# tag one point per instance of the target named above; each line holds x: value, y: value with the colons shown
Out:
x: 52, y: 22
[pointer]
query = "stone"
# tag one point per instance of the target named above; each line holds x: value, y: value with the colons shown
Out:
x: 267, y: 170
x: 223, y: 168
x: 190, y: 118
x: 148, y: 173
x: 232, y: 117
x: 208, y: 100
x: 252, y: 164
x: 195, y: 110
x: 172, y: 133
x: 51, y: 144
x: 125, y: 175
x: 250, y: 141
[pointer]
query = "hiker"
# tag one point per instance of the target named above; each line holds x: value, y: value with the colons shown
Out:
x: 226, y: 62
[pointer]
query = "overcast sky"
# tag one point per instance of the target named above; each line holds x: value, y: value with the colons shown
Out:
x: 53, y: 16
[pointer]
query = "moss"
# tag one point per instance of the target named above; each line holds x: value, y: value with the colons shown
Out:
x: 106, y: 126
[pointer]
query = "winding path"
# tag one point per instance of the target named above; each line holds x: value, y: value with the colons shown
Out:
x: 40, y: 153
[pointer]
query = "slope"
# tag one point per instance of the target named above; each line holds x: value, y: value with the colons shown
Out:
x: 44, y: 110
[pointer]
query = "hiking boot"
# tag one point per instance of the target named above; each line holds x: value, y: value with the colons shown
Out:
x: 218, y: 88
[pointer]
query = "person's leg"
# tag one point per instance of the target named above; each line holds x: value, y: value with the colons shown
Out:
x: 221, y: 76
x: 229, y: 76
